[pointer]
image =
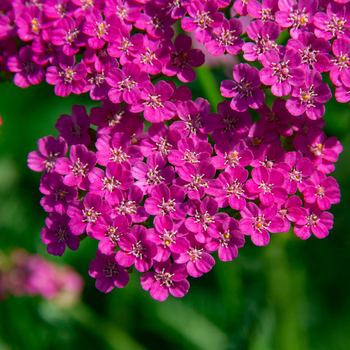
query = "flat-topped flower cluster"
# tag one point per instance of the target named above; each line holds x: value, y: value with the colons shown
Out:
x: 195, y: 182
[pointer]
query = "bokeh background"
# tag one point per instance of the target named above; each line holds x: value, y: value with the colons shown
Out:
x: 289, y: 295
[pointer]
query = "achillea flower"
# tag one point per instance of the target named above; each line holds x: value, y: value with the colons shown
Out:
x: 281, y: 74
x: 166, y: 279
x: 182, y: 59
x: 68, y: 77
x: 228, y: 188
x: 57, y: 194
x: 126, y: 83
x: 166, y: 201
x: 108, y: 272
x: 167, y: 236
x: 136, y: 249
x: 231, y: 238
x: 324, y: 191
x: 27, y: 71
x: 313, y: 221
x: 309, y: 97
x: 77, y: 167
x: 57, y: 235
x: 155, y: 102
x: 84, y: 213
x: 50, y: 150
x: 108, y: 229
x: 244, y: 89
x: 74, y: 128
x: 203, y: 18
x: 257, y: 222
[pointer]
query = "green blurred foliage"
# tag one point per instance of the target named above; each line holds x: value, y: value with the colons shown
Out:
x: 290, y: 295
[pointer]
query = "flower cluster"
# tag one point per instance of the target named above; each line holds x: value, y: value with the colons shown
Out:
x: 31, y: 274
x: 194, y: 182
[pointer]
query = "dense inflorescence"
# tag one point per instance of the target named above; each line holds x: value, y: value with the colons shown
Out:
x: 194, y: 182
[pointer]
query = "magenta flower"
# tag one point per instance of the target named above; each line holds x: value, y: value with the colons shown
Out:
x: 334, y: 23
x: 295, y: 169
x: 176, y: 8
x: 50, y: 150
x: 314, y: 51
x: 84, y: 213
x: 258, y: 135
x: 268, y: 185
x: 152, y: 173
x: 128, y: 13
x: 67, y: 77
x: 324, y: 191
x: 166, y: 279
x: 341, y: 62
x: 156, y: 21
x: 233, y: 125
x: 27, y: 71
x: 322, y: 152
x: 108, y: 230
x: 297, y: 15
x: 204, y: 218
x: 228, y: 188
x: 161, y: 140
x: 231, y: 154
x: 182, y: 59
x: 136, y: 249
x: 231, y: 238
x: 77, y: 167
x: 244, y: 89
x: 126, y: 83
x: 265, y: 10
x: 129, y: 205
x: 290, y: 211
x: 191, y: 152
x: 107, y: 272
x: 264, y: 35
x: 111, y: 183
x: 57, y: 194
x: 166, y: 201
x: 68, y: 34
x: 226, y: 38
x: 74, y: 128
x: 268, y: 155
x: 281, y: 74
x: 203, y: 18
x: 167, y: 236
x: 109, y: 115
x: 57, y: 235
x: 277, y: 118
x: 198, y: 122
x: 30, y: 23
x: 125, y: 47
x: 149, y: 56
x: 313, y: 221
x: 258, y: 222
x: 309, y: 97
x: 197, y: 260
x: 117, y: 149
x: 155, y: 102
x: 195, y: 180
x: 99, y: 30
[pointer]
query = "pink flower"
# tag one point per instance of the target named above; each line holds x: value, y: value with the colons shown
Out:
x: 108, y: 272
x: 167, y: 279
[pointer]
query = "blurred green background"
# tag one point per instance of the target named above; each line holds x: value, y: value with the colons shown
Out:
x: 290, y: 295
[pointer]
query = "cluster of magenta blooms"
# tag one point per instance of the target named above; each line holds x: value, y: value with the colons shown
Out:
x: 160, y: 199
